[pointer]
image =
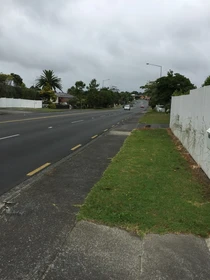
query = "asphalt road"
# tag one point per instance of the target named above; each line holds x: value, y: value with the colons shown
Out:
x: 32, y: 141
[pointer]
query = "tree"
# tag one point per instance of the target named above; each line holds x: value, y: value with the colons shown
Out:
x: 92, y: 94
x: 17, y: 80
x: 106, y: 98
x: 166, y: 86
x: 47, y: 94
x: 71, y: 90
x: 206, y: 82
x: 101, y: 99
x: 3, y: 78
x: 95, y: 97
x: 23, y: 85
x: 161, y: 90
x: 149, y: 88
x: 35, y: 88
x: 93, y: 86
x: 180, y: 92
x: 78, y: 91
x: 114, y: 89
x: 125, y: 97
x: 48, y: 78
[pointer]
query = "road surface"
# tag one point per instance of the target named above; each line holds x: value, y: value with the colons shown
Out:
x: 31, y: 142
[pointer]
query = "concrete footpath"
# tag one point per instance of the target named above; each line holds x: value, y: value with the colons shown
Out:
x: 40, y: 239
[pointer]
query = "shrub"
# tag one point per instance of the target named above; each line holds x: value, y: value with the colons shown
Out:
x: 18, y: 92
x: 52, y: 106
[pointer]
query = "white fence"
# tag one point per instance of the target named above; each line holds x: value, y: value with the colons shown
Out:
x: 190, y: 119
x: 19, y: 103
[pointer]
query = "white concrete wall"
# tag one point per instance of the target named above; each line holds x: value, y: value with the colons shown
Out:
x: 19, y: 103
x: 190, y: 118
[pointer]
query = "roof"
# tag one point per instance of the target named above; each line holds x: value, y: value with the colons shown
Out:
x: 65, y: 95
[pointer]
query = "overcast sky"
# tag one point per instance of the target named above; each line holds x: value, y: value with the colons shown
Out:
x: 105, y: 39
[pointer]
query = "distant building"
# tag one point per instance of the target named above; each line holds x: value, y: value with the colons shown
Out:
x: 63, y: 97
x: 145, y: 97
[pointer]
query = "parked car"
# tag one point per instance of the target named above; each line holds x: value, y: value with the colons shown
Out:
x: 127, y: 107
x: 160, y: 108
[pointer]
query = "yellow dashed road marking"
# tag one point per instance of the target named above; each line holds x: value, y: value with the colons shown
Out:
x: 76, y: 147
x: 38, y: 169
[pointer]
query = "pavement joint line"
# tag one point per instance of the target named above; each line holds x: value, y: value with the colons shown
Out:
x: 93, y: 137
x: 76, y: 147
x: 8, y: 137
x: 38, y: 169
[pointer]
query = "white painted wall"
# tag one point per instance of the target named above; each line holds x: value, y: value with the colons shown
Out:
x: 19, y: 103
x: 190, y: 118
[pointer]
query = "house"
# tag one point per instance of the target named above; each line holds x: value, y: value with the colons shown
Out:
x: 63, y: 98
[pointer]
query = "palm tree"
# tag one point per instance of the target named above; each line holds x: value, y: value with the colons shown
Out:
x: 48, y: 78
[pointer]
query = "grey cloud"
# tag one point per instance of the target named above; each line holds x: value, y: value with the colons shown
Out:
x: 85, y: 39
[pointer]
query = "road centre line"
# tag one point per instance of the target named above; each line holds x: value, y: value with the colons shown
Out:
x: 40, y: 118
x: 77, y: 121
x: 76, y: 147
x: 46, y: 117
x: 11, y: 136
x: 93, y: 137
x: 38, y: 169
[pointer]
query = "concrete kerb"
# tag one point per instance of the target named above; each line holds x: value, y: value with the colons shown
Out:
x: 208, y: 243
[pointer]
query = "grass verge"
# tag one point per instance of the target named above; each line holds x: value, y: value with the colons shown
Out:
x: 153, y: 117
x: 149, y: 188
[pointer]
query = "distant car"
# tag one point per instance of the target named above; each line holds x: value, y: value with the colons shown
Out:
x: 160, y: 108
x: 127, y: 107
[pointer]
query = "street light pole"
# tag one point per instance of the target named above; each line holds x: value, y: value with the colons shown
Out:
x: 104, y: 81
x: 161, y: 67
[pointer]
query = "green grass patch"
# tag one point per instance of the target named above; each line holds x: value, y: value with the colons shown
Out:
x: 149, y: 188
x: 153, y: 117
